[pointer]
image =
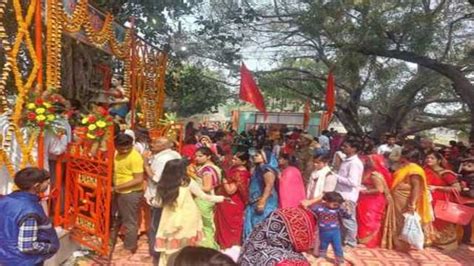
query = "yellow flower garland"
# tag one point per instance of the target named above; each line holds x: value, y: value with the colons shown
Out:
x: 7, y: 66
x: 6, y: 162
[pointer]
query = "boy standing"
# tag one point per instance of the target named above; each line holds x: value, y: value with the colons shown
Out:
x: 329, y: 214
x: 128, y: 188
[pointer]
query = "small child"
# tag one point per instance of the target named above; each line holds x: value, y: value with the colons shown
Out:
x: 329, y: 215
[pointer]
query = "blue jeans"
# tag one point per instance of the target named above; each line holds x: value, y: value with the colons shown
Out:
x: 350, y: 226
x: 155, y: 216
x: 333, y: 237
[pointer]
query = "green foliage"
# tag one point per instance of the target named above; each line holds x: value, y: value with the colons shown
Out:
x: 193, y: 90
x: 150, y: 15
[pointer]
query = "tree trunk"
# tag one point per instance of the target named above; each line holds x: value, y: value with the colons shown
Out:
x: 400, y: 106
x: 349, y: 119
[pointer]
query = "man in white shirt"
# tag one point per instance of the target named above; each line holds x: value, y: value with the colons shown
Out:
x: 349, y: 179
x: 155, y: 162
x: 386, y: 149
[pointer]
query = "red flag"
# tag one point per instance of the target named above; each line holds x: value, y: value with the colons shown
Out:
x: 306, y: 114
x: 249, y: 91
x: 330, y: 94
x: 324, y: 121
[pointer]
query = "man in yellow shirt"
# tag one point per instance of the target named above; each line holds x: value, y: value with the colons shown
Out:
x: 128, y: 188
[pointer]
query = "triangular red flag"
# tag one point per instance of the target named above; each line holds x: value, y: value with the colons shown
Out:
x: 330, y: 94
x: 249, y: 90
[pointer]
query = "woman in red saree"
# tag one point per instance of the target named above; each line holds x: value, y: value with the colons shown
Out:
x: 373, y: 201
x: 229, y: 215
x: 441, y: 182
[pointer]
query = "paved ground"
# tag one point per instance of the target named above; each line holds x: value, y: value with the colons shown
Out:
x: 359, y: 256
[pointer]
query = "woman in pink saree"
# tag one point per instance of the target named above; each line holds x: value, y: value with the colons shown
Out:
x: 373, y: 201
x: 290, y: 185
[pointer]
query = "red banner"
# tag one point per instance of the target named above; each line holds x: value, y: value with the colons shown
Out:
x: 330, y: 94
x: 249, y: 90
x: 324, y: 121
x: 306, y: 114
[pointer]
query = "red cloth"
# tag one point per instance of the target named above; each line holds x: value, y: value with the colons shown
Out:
x: 229, y: 216
x: 249, y: 90
x: 370, y: 214
x: 378, y: 162
x: 330, y: 94
x: 446, y: 178
x: 330, y: 103
x: 188, y: 151
x: 301, y: 224
x: 306, y: 114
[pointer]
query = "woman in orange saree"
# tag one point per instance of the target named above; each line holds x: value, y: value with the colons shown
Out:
x: 373, y: 201
x: 441, y: 183
x: 410, y: 194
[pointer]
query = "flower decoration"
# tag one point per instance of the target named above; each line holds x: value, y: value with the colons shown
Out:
x: 40, y: 113
x: 170, y: 125
x: 94, y: 126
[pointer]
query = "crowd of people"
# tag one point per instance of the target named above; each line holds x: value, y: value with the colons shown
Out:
x: 273, y: 195
x: 278, y: 194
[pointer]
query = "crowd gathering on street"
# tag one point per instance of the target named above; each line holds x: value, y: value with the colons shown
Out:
x: 265, y: 197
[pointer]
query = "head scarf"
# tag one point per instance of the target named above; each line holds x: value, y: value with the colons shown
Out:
x: 378, y: 162
x: 280, y: 239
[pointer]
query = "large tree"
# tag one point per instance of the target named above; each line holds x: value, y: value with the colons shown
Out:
x: 432, y: 34
x: 355, y: 39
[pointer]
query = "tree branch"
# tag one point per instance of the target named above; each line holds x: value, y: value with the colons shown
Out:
x: 462, y: 85
x: 455, y: 116
x: 424, y: 103
x: 309, y: 73
x: 450, y: 33
x: 433, y: 124
x: 220, y: 81
x: 297, y: 91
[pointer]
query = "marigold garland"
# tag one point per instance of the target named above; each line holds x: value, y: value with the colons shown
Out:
x: 23, y: 36
x: 31, y: 142
x: 7, y: 66
x: 53, y: 42
x: 4, y: 160
x: 58, y: 21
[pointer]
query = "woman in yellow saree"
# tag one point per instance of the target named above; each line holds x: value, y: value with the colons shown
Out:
x: 410, y: 194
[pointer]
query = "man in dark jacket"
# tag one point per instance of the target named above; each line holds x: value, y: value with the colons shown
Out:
x: 26, y: 233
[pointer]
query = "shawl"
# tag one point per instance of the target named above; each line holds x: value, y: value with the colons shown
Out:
x: 316, y: 184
